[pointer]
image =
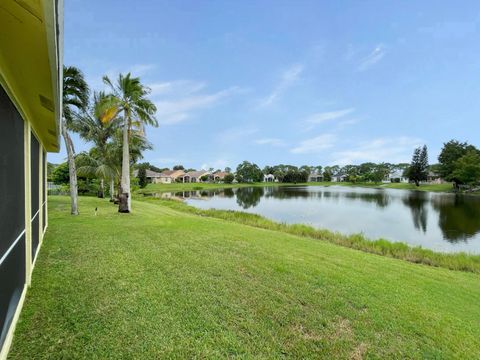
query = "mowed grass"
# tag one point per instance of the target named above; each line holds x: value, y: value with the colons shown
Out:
x: 159, y: 283
x: 153, y: 188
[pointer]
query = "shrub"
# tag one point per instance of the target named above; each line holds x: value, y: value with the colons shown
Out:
x: 228, y: 179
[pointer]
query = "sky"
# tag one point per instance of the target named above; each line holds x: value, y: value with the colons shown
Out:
x: 288, y: 82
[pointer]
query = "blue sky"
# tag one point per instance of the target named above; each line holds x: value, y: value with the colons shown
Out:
x: 293, y: 82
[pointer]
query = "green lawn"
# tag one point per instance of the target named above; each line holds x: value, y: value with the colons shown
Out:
x: 152, y: 188
x: 163, y: 283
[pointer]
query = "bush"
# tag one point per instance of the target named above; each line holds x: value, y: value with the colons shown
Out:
x: 228, y: 179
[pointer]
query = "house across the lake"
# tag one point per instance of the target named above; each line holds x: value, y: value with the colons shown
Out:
x: 170, y: 176
x: 339, y: 177
x: 193, y: 176
x: 434, y: 178
x: 152, y: 176
x: 31, y: 68
x: 269, y: 178
x: 217, y: 176
x: 396, y: 176
x: 315, y: 177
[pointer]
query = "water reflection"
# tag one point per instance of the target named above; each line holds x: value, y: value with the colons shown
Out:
x: 416, y: 201
x: 444, y: 222
x: 249, y: 197
x: 458, y: 216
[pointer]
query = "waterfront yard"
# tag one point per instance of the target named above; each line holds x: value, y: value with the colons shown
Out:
x: 166, y: 283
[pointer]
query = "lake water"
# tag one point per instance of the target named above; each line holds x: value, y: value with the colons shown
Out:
x: 438, y: 221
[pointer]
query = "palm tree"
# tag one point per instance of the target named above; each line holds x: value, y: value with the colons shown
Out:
x: 138, y: 111
x: 95, y: 164
x: 75, y: 98
x: 97, y: 125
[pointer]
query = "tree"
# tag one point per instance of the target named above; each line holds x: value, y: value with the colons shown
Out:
x: 137, y: 110
x: 91, y: 164
x: 451, y: 152
x: 228, y: 179
x: 467, y: 168
x: 228, y: 170
x: 327, y: 174
x: 379, y: 172
x: 142, y: 177
x: 418, y: 170
x: 178, y: 167
x: 91, y: 126
x: 60, y: 175
x: 248, y: 172
x: 75, y: 98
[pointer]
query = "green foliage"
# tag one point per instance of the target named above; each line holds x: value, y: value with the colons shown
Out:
x: 60, y: 175
x: 327, y: 175
x: 248, y: 172
x: 142, y: 177
x: 228, y: 179
x: 467, y: 168
x: 418, y: 170
x: 204, y: 178
x: 178, y: 167
x: 451, y: 152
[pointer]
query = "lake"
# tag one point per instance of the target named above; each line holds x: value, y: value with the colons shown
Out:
x: 438, y: 221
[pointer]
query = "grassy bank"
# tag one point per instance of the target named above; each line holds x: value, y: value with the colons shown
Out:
x: 155, y: 188
x: 163, y: 283
x: 457, y: 261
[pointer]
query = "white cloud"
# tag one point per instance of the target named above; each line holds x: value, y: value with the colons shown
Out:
x: 289, y: 77
x: 270, y: 141
x: 315, y: 145
x: 178, y: 108
x: 140, y: 69
x: 393, y: 150
x: 319, y: 118
x: 176, y: 88
x: 374, y: 57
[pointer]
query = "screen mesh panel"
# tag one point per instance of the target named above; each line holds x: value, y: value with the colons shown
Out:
x: 35, y: 192
x: 12, y: 183
x: 12, y: 212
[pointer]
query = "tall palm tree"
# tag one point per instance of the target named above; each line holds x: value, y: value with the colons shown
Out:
x: 75, y: 98
x: 138, y: 111
x: 97, y: 126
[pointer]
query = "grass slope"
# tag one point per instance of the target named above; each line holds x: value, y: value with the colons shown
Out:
x: 415, y: 254
x: 153, y: 188
x: 162, y: 283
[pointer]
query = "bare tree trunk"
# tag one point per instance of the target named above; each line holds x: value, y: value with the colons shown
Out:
x: 72, y: 170
x: 112, y: 190
x: 124, y: 205
x: 101, y: 192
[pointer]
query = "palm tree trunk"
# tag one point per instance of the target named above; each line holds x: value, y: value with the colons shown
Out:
x: 101, y: 192
x: 72, y: 170
x: 124, y: 196
x: 112, y: 190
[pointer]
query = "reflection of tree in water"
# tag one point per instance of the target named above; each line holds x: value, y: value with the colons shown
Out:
x: 249, y: 197
x: 459, y: 216
x: 228, y: 193
x: 286, y: 192
x: 417, y: 201
x: 380, y: 198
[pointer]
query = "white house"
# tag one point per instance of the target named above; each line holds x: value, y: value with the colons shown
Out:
x: 396, y: 176
x: 269, y: 178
